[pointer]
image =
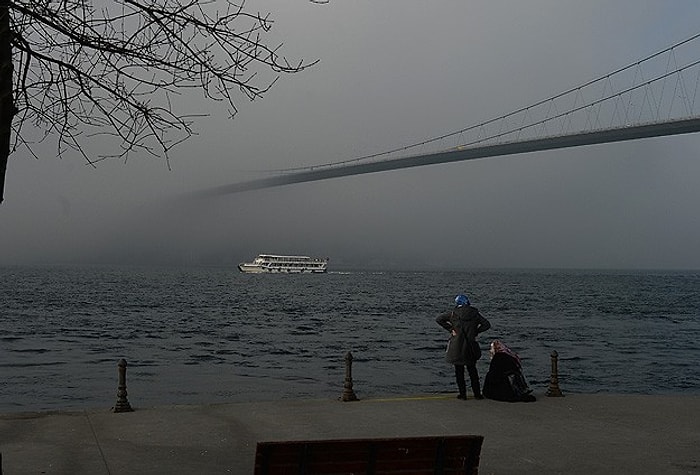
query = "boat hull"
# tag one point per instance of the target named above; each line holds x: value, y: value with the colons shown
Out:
x: 258, y: 270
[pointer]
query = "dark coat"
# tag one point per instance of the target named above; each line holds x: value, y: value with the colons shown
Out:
x: 467, y: 323
x: 505, y: 380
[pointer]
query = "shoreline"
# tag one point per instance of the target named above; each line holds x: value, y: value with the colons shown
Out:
x: 370, y: 396
x: 577, y: 433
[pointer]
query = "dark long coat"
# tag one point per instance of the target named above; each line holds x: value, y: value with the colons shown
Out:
x: 467, y: 323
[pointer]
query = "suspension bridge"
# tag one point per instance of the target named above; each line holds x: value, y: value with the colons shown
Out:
x: 652, y: 97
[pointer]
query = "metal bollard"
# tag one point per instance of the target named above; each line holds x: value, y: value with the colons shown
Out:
x: 554, y: 390
x: 348, y: 393
x: 122, y: 404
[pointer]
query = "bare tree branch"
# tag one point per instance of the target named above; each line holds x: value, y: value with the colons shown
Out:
x: 83, y: 71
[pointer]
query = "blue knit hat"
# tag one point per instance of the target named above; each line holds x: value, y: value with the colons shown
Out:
x: 461, y: 299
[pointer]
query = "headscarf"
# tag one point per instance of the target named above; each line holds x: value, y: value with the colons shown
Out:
x: 497, y: 346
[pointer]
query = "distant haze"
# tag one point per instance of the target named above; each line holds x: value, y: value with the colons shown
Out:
x: 391, y: 73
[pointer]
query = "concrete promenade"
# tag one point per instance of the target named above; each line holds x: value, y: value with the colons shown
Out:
x: 576, y: 434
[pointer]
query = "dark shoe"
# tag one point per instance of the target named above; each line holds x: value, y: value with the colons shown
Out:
x: 462, y: 397
x: 478, y: 396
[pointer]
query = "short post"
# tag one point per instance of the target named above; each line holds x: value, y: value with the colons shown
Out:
x: 348, y: 393
x: 122, y: 404
x: 554, y: 390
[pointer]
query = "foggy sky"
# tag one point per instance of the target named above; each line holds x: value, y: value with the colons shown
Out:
x: 391, y: 73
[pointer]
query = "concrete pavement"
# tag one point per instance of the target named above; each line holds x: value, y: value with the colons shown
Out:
x: 576, y: 434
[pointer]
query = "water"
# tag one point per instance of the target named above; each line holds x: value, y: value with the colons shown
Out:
x: 203, y: 335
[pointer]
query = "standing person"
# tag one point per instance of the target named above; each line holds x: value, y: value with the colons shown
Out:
x: 464, y: 323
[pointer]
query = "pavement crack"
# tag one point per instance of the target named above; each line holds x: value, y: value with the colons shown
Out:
x: 97, y: 442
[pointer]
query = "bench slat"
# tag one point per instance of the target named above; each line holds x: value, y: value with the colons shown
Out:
x: 409, y: 455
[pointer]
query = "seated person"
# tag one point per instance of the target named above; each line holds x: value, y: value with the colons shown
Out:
x: 505, y: 380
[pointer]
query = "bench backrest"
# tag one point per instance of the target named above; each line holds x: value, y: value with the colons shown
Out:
x: 412, y: 455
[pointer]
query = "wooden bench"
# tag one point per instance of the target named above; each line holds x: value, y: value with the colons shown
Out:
x: 413, y: 455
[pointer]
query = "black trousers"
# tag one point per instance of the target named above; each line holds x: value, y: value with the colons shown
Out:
x: 473, y: 378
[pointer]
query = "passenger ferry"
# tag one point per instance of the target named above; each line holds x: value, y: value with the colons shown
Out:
x: 271, y: 263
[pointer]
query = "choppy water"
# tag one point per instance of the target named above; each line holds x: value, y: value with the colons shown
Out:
x: 196, y: 335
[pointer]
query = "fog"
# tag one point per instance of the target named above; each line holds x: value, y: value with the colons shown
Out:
x: 391, y: 73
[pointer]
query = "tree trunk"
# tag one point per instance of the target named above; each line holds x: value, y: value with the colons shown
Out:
x: 7, y: 106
